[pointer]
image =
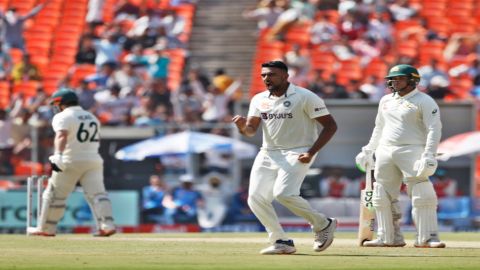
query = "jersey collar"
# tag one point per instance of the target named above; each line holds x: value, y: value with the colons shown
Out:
x: 411, y: 94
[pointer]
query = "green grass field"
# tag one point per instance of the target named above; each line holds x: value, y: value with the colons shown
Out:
x: 226, y: 251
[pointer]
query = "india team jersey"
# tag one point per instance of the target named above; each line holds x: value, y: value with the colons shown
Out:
x: 409, y: 120
x: 288, y: 121
x: 83, y: 138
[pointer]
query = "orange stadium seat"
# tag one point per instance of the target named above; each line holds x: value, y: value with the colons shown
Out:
x: 376, y: 67
x: 27, y: 88
x: 4, y: 94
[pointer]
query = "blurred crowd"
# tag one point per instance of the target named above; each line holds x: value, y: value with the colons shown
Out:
x: 124, y: 71
x: 207, y: 201
x: 343, y: 48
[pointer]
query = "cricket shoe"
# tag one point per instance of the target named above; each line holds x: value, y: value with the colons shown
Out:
x: 104, y: 233
x: 280, y: 247
x: 324, y: 238
x: 36, y: 232
x: 379, y: 243
x: 432, y: 243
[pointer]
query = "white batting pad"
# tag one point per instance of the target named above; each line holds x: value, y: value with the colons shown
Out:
x: 383, y: 209
x: 424, y: 211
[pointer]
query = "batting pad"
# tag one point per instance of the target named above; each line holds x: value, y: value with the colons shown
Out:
x: 53, y: 209
x: 383, y: 209
x: 102, y: 210
x: 424, y: 211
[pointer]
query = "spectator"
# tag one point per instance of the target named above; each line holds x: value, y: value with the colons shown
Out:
x: 153, y: 210
x: 13, y: 24
x: 86, y: 53
x: 335, y: 184
x: 444, y: 185
x: 298, y: 59
x: 213, y: 214
x: 158, y: 91
x: 128, y: 80
x: 215, y: 104
x: 266, y: 15
x: 461, y: 45
x: 374, y: 87
x: 95, y: 12
x: 108, y: 50
x: 239, y: 211
x: 25, y: 70
x: 317, y: 82
x: 173, y: 23
x: 439, y: 88
x: 188, y: 106
x: 5, y: 63
x: 85, y: 96
x: 125, y: 10
x: 102, y: 78
x: 112, y: 109
x: 323, y: 31
x: 428, y: 72
x: 182, y: 204
x: 401, y: 10
x: 158, y: 64
x: 137, y: 57
x: 6, y: 143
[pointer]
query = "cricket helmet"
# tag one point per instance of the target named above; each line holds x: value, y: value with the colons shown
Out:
x: 64, y: 96
x: 403, y: 70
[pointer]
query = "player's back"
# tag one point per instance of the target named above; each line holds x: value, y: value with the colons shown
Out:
x: 83, y: 128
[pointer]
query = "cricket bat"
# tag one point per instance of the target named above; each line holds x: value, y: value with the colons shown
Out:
x: 366, y: 222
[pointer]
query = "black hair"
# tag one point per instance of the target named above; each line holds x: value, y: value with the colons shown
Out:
x: 276, y: 64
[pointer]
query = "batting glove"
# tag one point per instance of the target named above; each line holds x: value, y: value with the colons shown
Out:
x: 57, y: 162
x: 425, y: 166
x: 363, y: 158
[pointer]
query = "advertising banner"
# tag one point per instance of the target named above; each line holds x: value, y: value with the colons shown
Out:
x: 13, y: 209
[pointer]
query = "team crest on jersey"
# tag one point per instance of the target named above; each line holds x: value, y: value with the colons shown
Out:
x: 265, y: 105
x: 287, y: 103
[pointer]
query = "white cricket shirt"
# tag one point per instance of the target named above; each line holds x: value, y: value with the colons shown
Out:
x: 83, y: 129
x: 413, y: 119
x: 288, y: 121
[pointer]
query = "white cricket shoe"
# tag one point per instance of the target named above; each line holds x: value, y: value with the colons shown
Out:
x: 379, y: 243
x: 280, y: 247
x: 33, y: 231
x: 324, y: 238
x: 432, y: 243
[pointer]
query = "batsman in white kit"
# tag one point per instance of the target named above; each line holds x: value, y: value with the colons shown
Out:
x: 404, y: 141
x: 289, y: 116
x: 75, y: 160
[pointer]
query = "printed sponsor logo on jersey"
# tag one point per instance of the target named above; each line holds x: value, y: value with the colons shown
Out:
x: 265, y: 105
x: 287, y: 103
x: 320, y: 109
x: 269, y: 116
x: 434, y: 111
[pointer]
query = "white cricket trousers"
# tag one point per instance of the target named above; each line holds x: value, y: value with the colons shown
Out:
x: 278, y: 175
x: 90, y: 176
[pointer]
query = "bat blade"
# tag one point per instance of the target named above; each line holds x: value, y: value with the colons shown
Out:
x: 366, y: 222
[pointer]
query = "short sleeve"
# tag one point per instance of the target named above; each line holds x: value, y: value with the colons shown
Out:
x: 315, y: 106
x: 253, y: 110
x: 59, y: 123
